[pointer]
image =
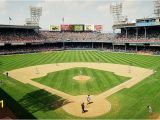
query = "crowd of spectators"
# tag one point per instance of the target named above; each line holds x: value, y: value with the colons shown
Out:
x: 27, y: 49
x: 20, y: 35
x: 132, y: 38
x: 16, y: 35
x: 76, y: 36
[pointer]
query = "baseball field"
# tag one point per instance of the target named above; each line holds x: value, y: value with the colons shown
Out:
x: 54, y: 84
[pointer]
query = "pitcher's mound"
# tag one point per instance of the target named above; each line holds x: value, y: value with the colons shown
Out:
x: 82, y: 78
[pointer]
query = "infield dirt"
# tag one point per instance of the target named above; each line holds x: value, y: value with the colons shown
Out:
x: 100, y: 105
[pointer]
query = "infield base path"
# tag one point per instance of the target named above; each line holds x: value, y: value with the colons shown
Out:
x: 100, y: 105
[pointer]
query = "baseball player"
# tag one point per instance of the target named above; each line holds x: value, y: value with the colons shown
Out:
x: 88, y: 99
x: 83, y: 107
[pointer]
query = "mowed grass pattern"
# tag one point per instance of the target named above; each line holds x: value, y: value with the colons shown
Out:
x: 128, y: 103
x: 63, y: 80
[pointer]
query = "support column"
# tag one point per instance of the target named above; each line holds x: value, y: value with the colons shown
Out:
x: 145, y: 32
x: 144, y: 47
x: 126, y: 33
x: 63, y: 45
x: 136, y: 48
x: 102, y: 45
x: 136, y: 33
x: 113, y: 46
x: 125, y: 47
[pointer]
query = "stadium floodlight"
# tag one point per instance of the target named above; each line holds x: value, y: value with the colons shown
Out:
x: 116, y: 10
x: 157, y: 8
x: 35, y: 13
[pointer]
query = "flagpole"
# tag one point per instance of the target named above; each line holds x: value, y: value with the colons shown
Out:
x: 63, y: 33
x: 9, y: 20
x: 63, y: 20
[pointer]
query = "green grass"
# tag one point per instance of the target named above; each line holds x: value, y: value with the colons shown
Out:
x: 63, y: 80
x: 127, y: 103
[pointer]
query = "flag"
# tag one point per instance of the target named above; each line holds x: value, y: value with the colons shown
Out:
x: 10, y: 18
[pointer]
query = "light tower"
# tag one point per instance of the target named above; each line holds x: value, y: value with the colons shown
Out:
x: 116, y: 10
x: 157, y: 8
x: 35, y: 13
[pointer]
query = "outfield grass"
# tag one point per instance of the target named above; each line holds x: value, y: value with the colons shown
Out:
x: 63, y: 80
x: 128, y: 103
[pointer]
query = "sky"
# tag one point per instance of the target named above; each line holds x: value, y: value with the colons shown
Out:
x: 73, y: 11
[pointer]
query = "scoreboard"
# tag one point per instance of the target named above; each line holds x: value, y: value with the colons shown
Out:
x: 78, y: 28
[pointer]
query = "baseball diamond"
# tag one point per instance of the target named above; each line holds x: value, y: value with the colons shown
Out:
x: 55, y: 100
x: 79, y: 59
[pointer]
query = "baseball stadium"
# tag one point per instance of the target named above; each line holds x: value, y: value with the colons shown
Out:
x: 77, y: 71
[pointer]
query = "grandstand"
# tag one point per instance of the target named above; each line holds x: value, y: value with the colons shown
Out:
x: 143, y: 35
x: 18, y: 34
x: 21, y: 39
x: 143, y: 31
x: 133, y: 37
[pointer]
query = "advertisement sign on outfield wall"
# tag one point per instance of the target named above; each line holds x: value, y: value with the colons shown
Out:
x: 98, y: 28
x: 78, y: 28
x: 55, y: 28
x: 66, y: 27
x: 89, y: 28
